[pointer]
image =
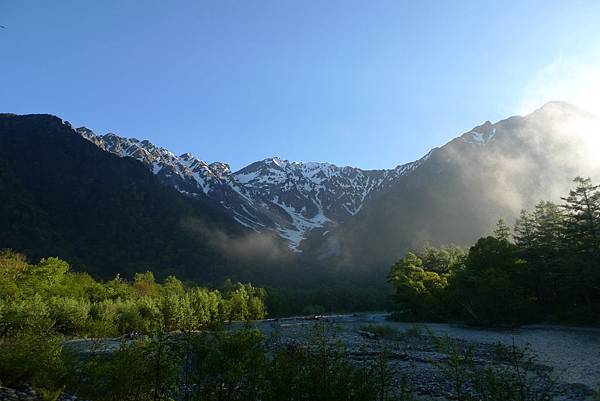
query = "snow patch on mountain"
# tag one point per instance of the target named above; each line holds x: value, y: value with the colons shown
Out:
x: 289, y: 198
x: 480, y: 135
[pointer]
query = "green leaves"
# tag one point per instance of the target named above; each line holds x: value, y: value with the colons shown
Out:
x: 421, y: 281
x: 551, y: 272
x: 44, y: 301
x: 34, y: 355
x: 48, y: 295
x: 517, y: 378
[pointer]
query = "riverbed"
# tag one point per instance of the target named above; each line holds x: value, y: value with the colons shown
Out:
x: 570, y: 354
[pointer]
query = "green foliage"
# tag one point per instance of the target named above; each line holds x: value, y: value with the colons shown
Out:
x: 489, y: 290
x: 34, y: 356
x: 109, y: 376
x: 420, y: 281
x: 516, y: 378
x: 43, y: 302
x: 48, y: 295
x: 502, y: 231
x: 551, y: 271
x: 324, y: 371
x: 69, y: 314
x: 443, y: 260
x: 49, y: 395
x: 229, y: 366
x: 24, y: 315
x: 234, y: 366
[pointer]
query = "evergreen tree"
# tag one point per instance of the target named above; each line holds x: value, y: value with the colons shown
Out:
x: 502, y: 231
x: 524, y: 231
x: 582, y: 240
x: 583, y: 218
x: 539, y: 236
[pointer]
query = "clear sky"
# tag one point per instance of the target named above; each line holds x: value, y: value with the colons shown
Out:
x: 371, y: 84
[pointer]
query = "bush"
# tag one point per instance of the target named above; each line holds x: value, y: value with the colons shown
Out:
x: 35, y: 357
x: 24, y: 315
x: 78, y: 305
x: 229, y: 366
x: 517, y: 378
x: 69, y: 314
x: 142, y: 370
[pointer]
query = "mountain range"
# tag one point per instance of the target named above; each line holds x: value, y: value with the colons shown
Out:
x: 290, y: 199
x: 115, y: 204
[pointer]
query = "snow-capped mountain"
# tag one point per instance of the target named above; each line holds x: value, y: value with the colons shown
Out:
x: 106, y: 191
x: 289, y: 198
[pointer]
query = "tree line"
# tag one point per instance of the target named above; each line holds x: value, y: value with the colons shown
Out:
x: 48, y: 295
x: 42, y: 304
x: 182, y: 348
x: 547, y: 268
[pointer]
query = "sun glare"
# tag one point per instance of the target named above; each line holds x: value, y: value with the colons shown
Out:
x: 571, y: 82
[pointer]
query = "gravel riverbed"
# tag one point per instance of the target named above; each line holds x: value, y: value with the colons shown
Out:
x: 571, y: 355
x: 573, y: 352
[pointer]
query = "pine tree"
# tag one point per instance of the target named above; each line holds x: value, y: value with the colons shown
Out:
x: 550, y: 275
x: 524, y: 231
x: 502, y: 231
x: 582, y: 208
x: 582, y: 239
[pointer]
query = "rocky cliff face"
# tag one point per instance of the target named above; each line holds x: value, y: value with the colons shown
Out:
x: 289, y: 198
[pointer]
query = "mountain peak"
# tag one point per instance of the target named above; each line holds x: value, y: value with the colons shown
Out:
x: 84, y: 130
x: 554, y: 110
x: 277, y: 161
x: 556, y: 106
x: 274, y: 194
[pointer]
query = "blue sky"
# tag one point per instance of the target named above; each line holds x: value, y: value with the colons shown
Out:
x: 371, y: 84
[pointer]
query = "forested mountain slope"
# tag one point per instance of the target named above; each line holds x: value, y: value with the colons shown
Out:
x: 464, y: 187
x: 61, y: 195
x: 115, y: 205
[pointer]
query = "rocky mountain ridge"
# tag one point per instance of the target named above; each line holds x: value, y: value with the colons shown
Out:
x: 289, y: 198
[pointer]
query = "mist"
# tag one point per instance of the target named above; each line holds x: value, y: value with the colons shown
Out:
x: 249, y: 246
x: 533, y: 158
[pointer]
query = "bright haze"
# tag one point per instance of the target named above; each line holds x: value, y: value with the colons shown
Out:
x: 366, y: 84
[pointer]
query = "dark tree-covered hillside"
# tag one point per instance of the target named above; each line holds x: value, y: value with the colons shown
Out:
x: 61, y: 195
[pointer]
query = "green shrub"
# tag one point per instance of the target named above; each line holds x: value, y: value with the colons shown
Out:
x: 69, y: 314
x: 516, y: 378
x: 141, y: 370
x: 49, y: 395
x: 35, y: 357
x: 24, y: 315
x: 48, y: 293
x: 229, y: 366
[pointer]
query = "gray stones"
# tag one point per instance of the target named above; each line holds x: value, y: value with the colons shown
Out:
x: 27, y: 393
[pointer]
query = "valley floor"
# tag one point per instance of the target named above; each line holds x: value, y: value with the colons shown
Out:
x: 572, y: 355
